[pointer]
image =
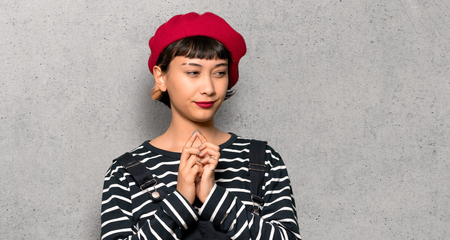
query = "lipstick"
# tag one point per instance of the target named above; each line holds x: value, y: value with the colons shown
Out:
x: 207, y: 104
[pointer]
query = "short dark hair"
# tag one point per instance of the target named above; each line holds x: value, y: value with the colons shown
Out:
x: 192, y: 47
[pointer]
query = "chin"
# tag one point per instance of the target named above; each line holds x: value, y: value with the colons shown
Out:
x: 202, y: 120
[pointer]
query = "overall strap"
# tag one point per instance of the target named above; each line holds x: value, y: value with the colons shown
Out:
x: 257, y: 170
x: 142, y: 175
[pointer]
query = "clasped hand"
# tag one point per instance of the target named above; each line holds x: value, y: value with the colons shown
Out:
x: 196, y: 171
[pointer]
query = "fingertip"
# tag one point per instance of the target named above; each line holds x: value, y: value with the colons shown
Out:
x: 191, y: 139
x: 201, y: 136
x: 202, y: 146
x: 195, y: 131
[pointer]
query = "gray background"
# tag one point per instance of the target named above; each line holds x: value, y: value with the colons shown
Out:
x: 353, y: 94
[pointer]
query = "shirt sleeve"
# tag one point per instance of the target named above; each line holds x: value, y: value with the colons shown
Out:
x: 278, y: 218
x: 162, y: 220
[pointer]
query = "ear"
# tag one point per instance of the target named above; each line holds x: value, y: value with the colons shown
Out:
x: 160, y: 81
x: 160, y: 84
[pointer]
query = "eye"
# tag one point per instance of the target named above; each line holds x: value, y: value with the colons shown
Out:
x: 220, y: 74
x: 192, y: 73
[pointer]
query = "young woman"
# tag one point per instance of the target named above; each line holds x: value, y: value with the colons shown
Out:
x: 200, y: 182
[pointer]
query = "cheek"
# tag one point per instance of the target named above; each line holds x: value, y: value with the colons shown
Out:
x: 175, y: 83
x: 222, y: 87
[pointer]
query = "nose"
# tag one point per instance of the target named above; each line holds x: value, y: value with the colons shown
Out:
x: 207, y: 85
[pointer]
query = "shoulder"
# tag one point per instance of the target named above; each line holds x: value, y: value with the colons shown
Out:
x: 242, y: 145
x: 116, y: 169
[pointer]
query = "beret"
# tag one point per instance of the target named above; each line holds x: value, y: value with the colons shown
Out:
x: 194, y: 24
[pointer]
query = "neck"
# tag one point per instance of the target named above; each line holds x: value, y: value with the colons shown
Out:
x: 180, y: 129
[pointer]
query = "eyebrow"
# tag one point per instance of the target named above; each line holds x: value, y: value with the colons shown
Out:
x: 198, y: 65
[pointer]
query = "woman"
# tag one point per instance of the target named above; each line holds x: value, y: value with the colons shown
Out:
x: 200, y: 185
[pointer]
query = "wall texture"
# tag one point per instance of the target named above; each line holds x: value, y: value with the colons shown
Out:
x: 353, y: 94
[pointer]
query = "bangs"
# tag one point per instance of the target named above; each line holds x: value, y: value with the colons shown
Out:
x: 193, y: 47
x: 201, y: 47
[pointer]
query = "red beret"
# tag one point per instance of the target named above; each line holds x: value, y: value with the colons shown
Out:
x: 194, y: 24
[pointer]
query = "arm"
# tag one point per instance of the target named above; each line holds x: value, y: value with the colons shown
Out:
x: 120, y: 210
x: 278, y: 219
x: 124, y: 204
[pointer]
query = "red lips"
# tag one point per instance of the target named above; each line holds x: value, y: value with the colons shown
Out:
x: 207, y: 104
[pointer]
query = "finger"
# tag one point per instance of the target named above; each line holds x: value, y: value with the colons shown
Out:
x: 197, y: 170
x: 214, y: 152
x: 196, y: 167
x: 209, y: 145
x: 210, y: 164
x: 192, y: 171
x: 192, y: 161
x: 191, y: 139
x: 209, y: 160
x: 186, y: 154
x: 201, y: 137
x: 211, y: 151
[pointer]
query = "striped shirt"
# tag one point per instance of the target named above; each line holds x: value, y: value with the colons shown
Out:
x: 129, y: 213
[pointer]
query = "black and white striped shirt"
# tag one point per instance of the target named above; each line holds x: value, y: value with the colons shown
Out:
x: 128, y: 212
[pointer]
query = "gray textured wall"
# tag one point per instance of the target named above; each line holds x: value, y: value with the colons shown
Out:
x: 353, y: 94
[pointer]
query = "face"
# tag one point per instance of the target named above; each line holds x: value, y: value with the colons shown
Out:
x: 197, y: 87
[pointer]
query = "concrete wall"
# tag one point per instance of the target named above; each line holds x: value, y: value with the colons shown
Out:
x: 353, y: 94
